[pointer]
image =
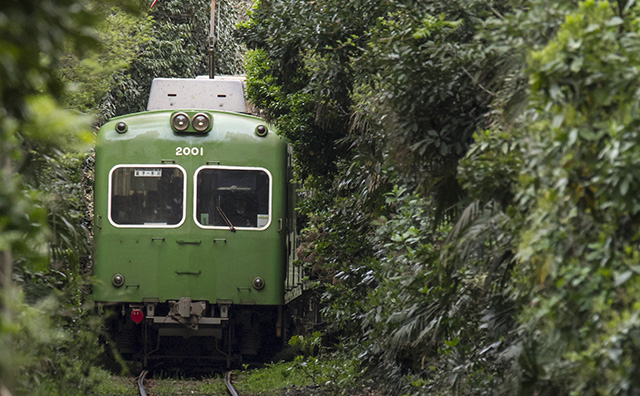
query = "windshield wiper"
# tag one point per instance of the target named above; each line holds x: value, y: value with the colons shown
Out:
x: 226, y: 219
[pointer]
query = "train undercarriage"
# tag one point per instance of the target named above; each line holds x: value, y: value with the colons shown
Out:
x: 185, y: 332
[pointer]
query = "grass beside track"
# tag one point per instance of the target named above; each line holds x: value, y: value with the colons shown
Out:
x: 271, y: 380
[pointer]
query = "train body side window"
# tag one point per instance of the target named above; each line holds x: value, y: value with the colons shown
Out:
x: 150, y: 196
x: 233, y: 197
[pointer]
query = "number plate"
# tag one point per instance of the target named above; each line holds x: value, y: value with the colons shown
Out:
x: 148, y: 173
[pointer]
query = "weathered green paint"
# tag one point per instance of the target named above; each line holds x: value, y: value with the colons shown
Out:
x: 167, y: 264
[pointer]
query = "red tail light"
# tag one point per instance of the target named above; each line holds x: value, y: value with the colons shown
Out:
x: 137, y: 316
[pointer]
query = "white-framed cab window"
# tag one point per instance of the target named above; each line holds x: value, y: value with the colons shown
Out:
x: 147, y: 196
x: 235, y: 198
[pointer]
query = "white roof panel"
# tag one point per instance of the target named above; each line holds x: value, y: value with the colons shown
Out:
x: 220, y: 93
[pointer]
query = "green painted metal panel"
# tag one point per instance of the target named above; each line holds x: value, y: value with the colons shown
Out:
x: 189, y: 261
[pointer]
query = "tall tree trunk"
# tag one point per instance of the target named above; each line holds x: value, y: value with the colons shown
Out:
x: 6, y: 259
x: 6, y: 269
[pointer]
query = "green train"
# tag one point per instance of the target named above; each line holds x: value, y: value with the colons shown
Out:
x: 194, y: 227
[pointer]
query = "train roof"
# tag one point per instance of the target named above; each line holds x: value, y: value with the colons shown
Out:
x: 220, y: 93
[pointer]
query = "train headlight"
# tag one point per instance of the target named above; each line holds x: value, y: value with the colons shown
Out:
x: 201, y: 122
x: 118, y: 280
x: 191, y: 122
x: 180, y: 122
x: 258, y: 283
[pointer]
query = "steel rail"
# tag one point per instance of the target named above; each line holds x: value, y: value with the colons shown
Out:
x: 141, y: 378
x: 227, y: 382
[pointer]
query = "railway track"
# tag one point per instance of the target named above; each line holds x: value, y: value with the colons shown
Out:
x: 227, y: 383
x: 141, y: 378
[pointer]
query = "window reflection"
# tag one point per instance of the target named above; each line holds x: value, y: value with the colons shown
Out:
x: 232, y: 198
x: 147, y: 196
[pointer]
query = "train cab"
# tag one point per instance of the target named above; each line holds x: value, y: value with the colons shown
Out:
x: 194, y: 225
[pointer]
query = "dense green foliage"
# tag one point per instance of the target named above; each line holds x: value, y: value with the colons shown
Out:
x: 96, y: 58
x: 46, y: 337
x: 473, y: 216
x: 469, y: 168
x: 92, y: 76
x: 170, y: 40
x: 173, y: 42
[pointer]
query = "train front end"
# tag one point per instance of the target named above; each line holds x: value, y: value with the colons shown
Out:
x: 191, y: 234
